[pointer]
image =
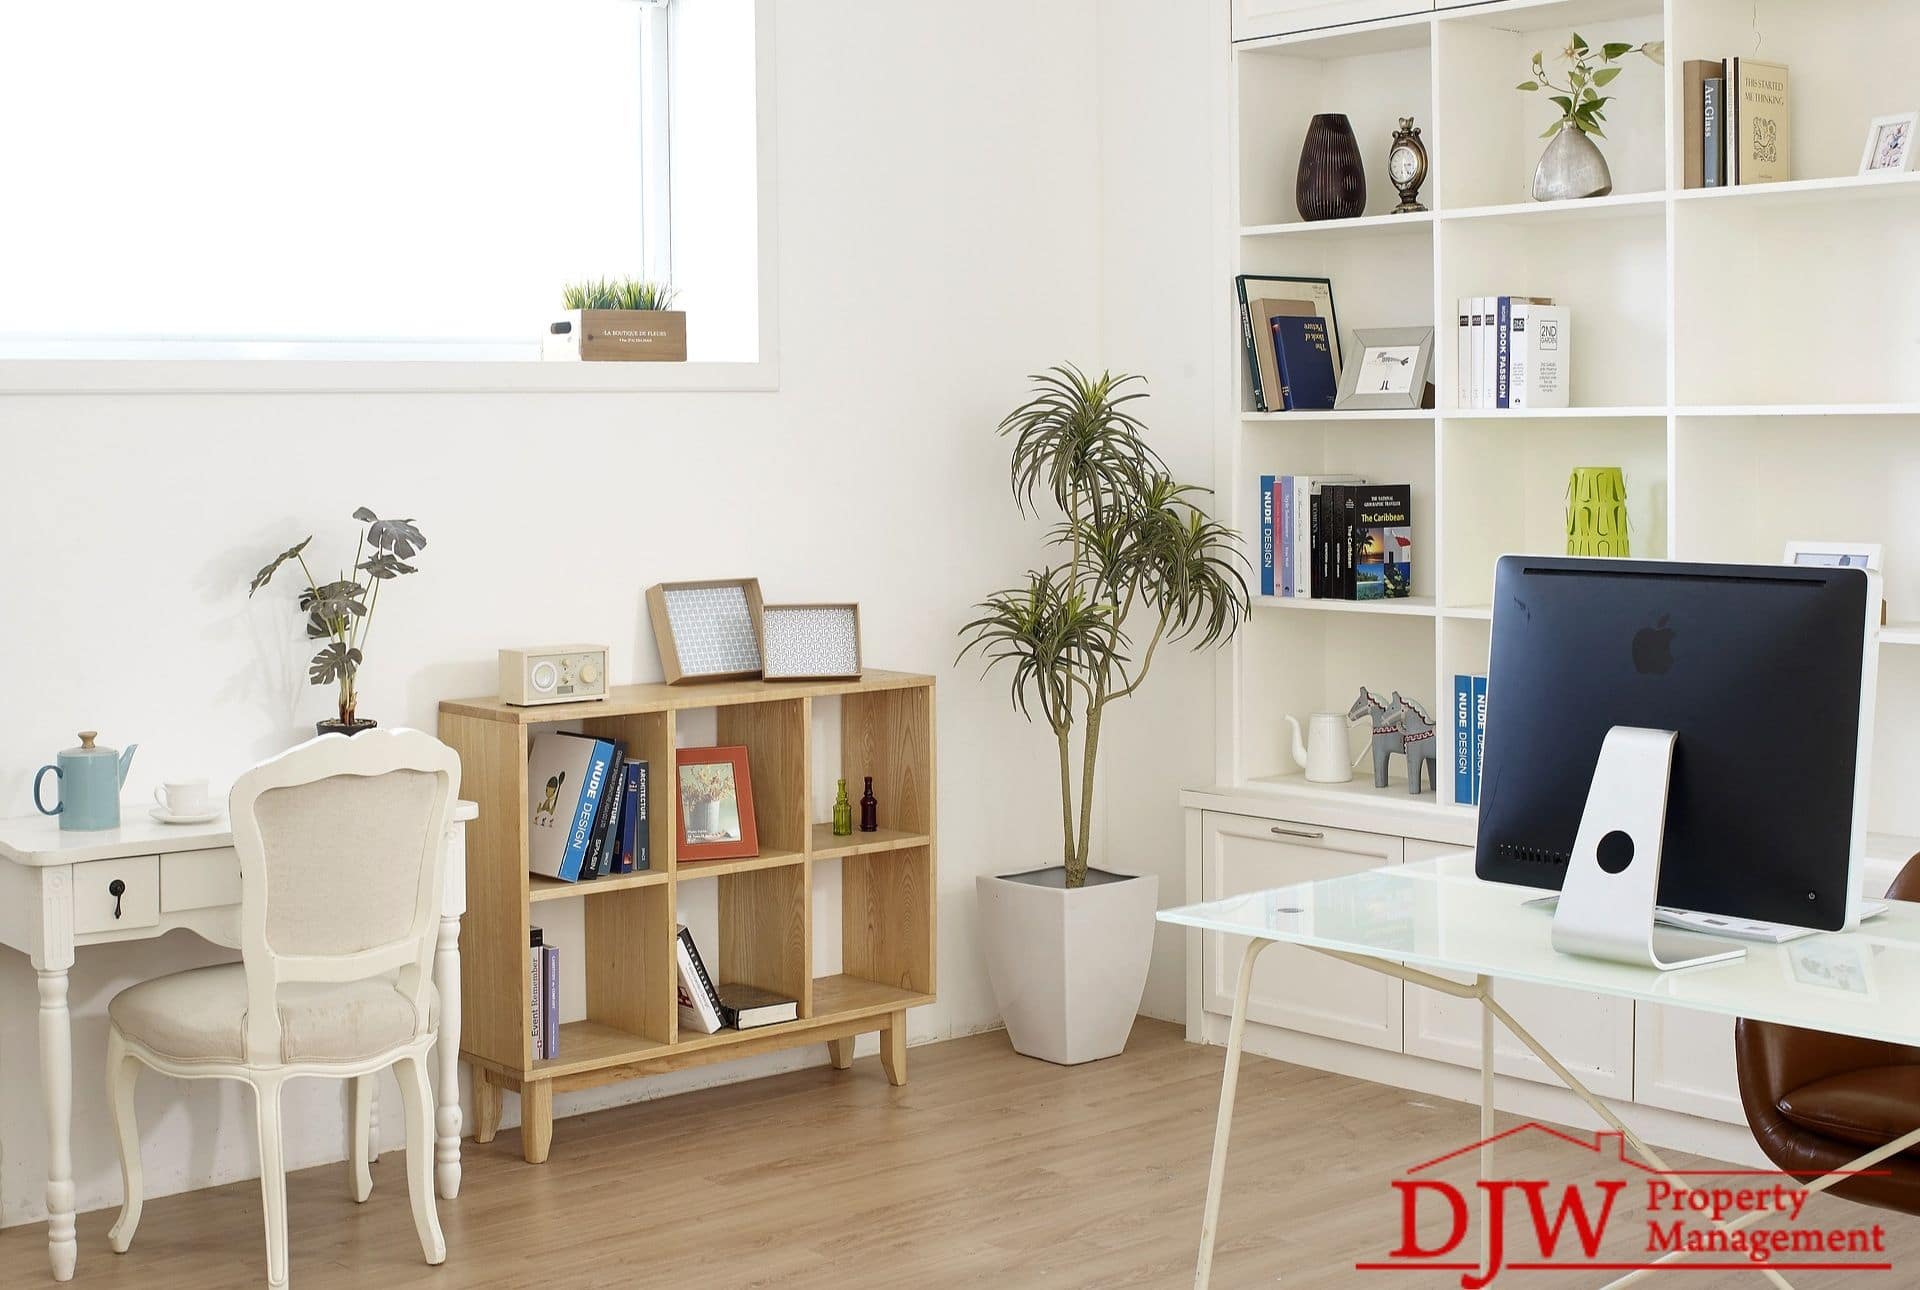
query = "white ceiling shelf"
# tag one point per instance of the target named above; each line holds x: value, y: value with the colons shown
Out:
x: 1836, y: 190
x: 1329, y: 414
x: 1799, y: 410
x: 1552, y: 414
x: 1410, y: 222
x: 1614, y: 206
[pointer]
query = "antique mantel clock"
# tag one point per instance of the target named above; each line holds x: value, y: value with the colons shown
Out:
x: 1407, y: 165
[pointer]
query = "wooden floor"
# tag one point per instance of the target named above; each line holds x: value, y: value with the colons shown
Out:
x: 986, y: 1169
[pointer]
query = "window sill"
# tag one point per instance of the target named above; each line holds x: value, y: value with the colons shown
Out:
x: 356, y: 376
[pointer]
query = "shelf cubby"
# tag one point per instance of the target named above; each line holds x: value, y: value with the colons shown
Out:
x: 753, y: 916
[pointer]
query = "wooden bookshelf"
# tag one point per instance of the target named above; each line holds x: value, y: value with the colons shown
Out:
x: 631, y: 1028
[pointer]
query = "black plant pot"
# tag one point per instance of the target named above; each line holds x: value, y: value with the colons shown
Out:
x: 1332, y: 183
x: 335, y: 726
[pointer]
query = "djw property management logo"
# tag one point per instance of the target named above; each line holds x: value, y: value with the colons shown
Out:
x: 1702, y: 1220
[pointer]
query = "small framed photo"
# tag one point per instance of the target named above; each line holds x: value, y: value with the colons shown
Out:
x: 707, y: 631
x: 1392, y: 369
x: 713, y: 804
x: 1834, y: 555
x: 810, y: 642
x: 1889, y: 147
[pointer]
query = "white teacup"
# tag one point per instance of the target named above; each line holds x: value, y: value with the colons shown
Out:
x: 183, y: 797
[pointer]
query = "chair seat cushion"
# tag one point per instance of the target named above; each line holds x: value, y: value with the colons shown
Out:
x: 200, y: 1016
x: 1869, y: 1107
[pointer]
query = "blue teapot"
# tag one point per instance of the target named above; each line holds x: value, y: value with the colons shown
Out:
x: 89, y: 784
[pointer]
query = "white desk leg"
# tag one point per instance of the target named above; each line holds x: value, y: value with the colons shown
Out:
x: 446, y: 977
x: 56, y: 1082
x: 1486, y: 1121
x: 1229, y: 1082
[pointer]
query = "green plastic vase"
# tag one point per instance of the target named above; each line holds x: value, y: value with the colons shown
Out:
x: 1597, y: 512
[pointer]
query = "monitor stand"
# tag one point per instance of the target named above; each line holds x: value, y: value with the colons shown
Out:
x: 1613, y: 877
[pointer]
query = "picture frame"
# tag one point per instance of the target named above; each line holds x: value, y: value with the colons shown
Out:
x: 1890, y: 144
x: 1398, y: 358
x: 1857, y: 555
x: 810, y: 642
x: 708, y: 630
x: 713, y: 804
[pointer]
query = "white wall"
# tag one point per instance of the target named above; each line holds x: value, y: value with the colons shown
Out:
x: 939, y: 207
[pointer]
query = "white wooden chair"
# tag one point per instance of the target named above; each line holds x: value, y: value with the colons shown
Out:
x: 341, y: 842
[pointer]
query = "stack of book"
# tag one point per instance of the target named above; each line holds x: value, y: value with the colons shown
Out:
x: 1335, y: 537
x: 543, y: 974
x: 588, y: 810
x: 1469, y: 736
x: 1293, y: 347
x: 1513, y: 352
x: 706, y: 1007
x: 1738, y: 123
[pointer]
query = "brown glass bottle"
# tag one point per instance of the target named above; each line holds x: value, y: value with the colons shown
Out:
x: 869, y: 810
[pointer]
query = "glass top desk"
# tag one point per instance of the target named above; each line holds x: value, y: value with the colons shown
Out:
x: 1413, y: 920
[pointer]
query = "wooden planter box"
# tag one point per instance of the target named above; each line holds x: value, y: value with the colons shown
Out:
x: 622, y: 335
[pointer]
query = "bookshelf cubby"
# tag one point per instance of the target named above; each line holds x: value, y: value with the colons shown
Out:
x: 765, y: 904
x: 1746, y: 354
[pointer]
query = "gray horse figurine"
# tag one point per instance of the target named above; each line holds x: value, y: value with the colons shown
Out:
x: 1388, y: 736
x: 1418, y: 742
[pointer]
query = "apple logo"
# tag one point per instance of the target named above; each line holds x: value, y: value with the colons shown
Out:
x: 1653, y: 649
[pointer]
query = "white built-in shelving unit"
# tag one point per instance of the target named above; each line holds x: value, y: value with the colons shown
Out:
x: 1750, y: 356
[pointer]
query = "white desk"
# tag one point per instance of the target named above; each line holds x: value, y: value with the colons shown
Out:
x: 55, y: 898
x: 1412, y: 920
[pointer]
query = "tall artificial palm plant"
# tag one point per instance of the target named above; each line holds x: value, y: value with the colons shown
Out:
x: 1139, y: 564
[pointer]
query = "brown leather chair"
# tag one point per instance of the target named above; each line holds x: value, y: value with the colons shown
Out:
x: 1817, y: 1101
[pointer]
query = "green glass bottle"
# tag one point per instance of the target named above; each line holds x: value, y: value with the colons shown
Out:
x: 842, y: 814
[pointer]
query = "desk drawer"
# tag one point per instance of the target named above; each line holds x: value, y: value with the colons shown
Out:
x: 199, y: 880
x: 95, y: 906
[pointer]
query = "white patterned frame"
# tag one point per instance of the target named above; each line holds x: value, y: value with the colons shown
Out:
x: 810, y: 642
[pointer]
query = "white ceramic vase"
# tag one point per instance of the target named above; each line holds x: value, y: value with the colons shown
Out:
x: 1068, y: 967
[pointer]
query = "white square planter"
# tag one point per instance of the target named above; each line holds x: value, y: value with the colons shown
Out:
x: 1068, y: 967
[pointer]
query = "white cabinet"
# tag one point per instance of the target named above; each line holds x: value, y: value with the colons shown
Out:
x: 1683, y: 1061
x: 1592, y: 1034
x: 1296, y: 988
x: 1255, y: 18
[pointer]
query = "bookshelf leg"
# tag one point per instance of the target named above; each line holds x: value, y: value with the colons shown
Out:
x: 536, y: 1120
x: 841, y: 1051
x: 486, y: 1106
x: 893, y: 1048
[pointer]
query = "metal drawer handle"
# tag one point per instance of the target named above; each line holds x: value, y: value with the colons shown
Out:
x: 1312, y: 835
x: 116, y: 889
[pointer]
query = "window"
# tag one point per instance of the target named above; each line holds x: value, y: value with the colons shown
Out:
x: 370, y: 178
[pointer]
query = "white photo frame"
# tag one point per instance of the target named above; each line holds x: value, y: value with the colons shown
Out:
x: 1890, y: 144
x: 1853, y: 555
x: 810, y: 642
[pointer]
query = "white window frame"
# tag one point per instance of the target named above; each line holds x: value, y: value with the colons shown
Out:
x: 303, y: 375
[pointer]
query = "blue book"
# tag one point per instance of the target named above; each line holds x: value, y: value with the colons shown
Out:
x: 566, y: 778
x: 1503, y: 350
x: 1266, y: 535
x: 1479, y: 732
x: 1284, y: 547
x: 1463, y: 739
x: 1306, y: 362
x: 629, y: 816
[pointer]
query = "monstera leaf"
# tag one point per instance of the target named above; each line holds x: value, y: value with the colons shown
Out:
x: 261, y: 578
x: 384, y: 564
x: 331, y: 607
x: 336, y: 661
x: 398, y: 536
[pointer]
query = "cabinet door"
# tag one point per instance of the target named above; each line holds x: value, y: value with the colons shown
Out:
x: 1255, y: 18
x: 1296, y: 988
x: 1592, y: 1034
x: 1683, y: 1061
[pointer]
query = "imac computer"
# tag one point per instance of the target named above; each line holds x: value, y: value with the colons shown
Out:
x: 1701, y: 730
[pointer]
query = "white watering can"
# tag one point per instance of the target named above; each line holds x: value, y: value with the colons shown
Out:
x: 1324, y: 753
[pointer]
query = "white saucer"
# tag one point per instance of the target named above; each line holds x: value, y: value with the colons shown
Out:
x: 205, y: 817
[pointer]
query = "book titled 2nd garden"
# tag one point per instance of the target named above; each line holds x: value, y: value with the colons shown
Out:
x: 1383, y: 551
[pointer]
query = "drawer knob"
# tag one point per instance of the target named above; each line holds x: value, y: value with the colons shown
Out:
x: 116, y: 889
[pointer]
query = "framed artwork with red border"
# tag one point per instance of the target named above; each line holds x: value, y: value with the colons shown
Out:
x: 713, y: 804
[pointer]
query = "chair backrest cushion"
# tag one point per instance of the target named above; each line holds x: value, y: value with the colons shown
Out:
x: 343, y: 858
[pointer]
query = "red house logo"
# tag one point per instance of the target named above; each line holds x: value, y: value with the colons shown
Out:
x: 1693, y: 1219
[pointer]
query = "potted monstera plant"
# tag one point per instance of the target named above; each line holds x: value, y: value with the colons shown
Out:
x: 1136, y: 566
x: 340, y: 612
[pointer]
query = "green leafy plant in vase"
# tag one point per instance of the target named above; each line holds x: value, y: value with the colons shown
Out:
x: 340, y: 611
x: 1136, y: 566
x: 1573, y: 166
